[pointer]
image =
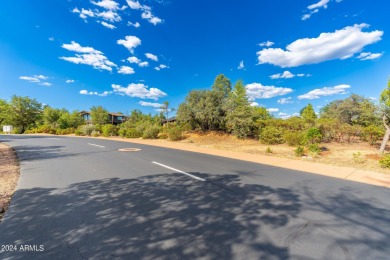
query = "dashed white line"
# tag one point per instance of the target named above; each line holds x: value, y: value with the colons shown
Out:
x: 179, y: 171
x: 97, y: 145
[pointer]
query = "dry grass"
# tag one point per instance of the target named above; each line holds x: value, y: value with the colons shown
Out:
x: 356, y: 154
x: 9, y: 175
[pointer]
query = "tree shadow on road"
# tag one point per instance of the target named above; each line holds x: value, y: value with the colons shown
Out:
x: 165, y: 216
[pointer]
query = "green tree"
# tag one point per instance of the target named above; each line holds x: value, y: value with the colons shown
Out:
x: 308, y: 114
x: 99, y: 115
x: 52, y: 115
x: 222, y: 85
x: 385, y: 103
x: 24, y: 112
x: 4, y: 112
x: 239, y: 113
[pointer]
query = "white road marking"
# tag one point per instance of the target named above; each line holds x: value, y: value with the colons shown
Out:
x: 97, y: 145
x: 176, y: 170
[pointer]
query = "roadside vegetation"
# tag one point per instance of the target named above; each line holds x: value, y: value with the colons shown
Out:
x: 224, y: 108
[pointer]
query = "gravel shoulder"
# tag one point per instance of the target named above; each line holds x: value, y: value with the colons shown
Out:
x: 9, y: 176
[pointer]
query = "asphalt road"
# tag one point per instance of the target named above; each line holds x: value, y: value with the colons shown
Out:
x: 81, y: 198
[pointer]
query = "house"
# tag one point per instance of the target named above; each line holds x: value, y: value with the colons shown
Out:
x: 170, y: 121
x: 113, y: 118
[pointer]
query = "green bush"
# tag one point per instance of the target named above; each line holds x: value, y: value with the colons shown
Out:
x: 95, y: 133
x: 271, y: 135
x: 300, y: 151
x: 122, y: 132
x: 313, y: 135
x: 132, y: 133
x: 78, y: 132
x: 109, y: 130
x: 175, y: 134
x: 268, y: 150
x: 373, y: 133
x: 163, y: 136
x: 294, y: 138
x: 314, y: 149
x: 151, y: 132
x: 385, y: 161
x: 87, y: 129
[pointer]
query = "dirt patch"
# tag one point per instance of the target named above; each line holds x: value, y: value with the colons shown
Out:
x: 9, y: 176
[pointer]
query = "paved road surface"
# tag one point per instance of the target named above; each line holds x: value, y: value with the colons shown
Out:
x: 81, y: 198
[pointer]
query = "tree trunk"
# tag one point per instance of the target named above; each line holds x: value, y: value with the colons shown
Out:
x: 386, y: 137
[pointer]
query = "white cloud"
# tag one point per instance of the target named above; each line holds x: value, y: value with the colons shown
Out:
x: 75, y: 10
x: 85, y: 13
x: 151, y: 56
x: 283, y: 101
x: 136, y: 24
x: 108, y: 25
x: 126, y: 70
x: 139, y: 90
x: 136, y: 5
x: 254, y: 104
x: 134, y: 59
x: 163, y: 66
x: 90, y: 57
x: 266, y: 44
x: 143, y: 64
x: 149, y: 104
x: 47, y: 84
x: 287, y: 75
x: 41, y: 77
x: 51, y: 39
x: 241, y: 66
x: 369, y: 56
x: 157, y: 68
x: 257, y: 90
x: 130, y: 42
x: 30, y: 79
x: 110, y: 16
x: 272, y: 110
x: 321, y: 3
x: 341, y: 44
x: 86, y: 92
x: 107, y: 4
x: 326, y: 91
x: 150, y: 17
x: 69, y: 81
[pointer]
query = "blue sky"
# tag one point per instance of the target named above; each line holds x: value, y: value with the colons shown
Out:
x: 126, y: 54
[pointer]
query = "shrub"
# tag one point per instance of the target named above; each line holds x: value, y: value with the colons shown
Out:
x: 109, y: 130
x: 78, y: 132
x: 175, y: 134
x: 268, y: 150
x: 314, y: 149
x: 271, y: 135
x: 151, y: 132
x: 163, y: 136
x: 132, y: 133
x: 122, y: 132
x: 373, y: 133
x: 313, y: 135
x: 95, y: 133
x: 87, y: 129
x: 299, y: 151
x: 294, y: 138
x: 385, y: 161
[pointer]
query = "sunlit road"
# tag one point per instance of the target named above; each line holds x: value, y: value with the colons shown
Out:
x: 82, y: 198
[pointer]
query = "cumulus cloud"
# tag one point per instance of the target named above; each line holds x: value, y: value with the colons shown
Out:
x: 139, y: 90
x: 257, y: 90
x: 69, y: 81
x: 326, y: 91
x: 108, y: 25
x: 163, y: 66
x: 287, y: 75
x: 150, y: 104
x: 146, y: 12
x: 126, y: 70
x: 369, y: 56
x: 136, y: 24
x: 134, y: 59
x: 272, y: 110
x: 90, y: 57
x: 107, y: 4
x: 51, y: 39
x: 315, y: 8
x: 143, y: 64
x: 241, y: 65
x: 130, y: 42
x: 91, y: 93
x: 341, y: 44
x: 36, y: 79
x: 151, y: 56
x: 266, y: 44
x: 287, y: 100
x: 136, y: 5
x: 109, y: 16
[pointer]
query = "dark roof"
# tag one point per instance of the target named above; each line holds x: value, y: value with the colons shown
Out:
x: 172, y: 119
x: 110, y: 113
